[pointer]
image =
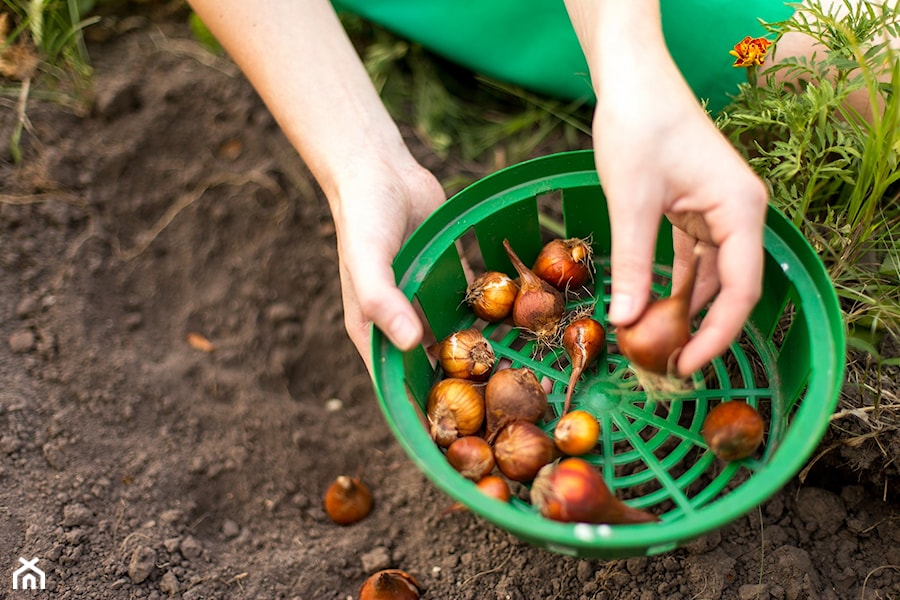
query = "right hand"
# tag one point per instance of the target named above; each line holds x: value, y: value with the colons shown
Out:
x: 658, y: 153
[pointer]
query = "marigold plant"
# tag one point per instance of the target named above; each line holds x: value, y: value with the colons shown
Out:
x: 750, y: 51
x: 833, y: 169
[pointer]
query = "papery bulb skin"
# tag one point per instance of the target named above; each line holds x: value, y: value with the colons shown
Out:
x: 573, y: 491
x: 576, y: 433
x: 492, y: 295
x: 455, y: 408
x: 521, y: 449
x: 494, y: 487
x: 733, y: 430
x: 565, y: 263
x: 539, y: 307
x: 472, y: 457
x: 391, y: 584
x: 466, y: 354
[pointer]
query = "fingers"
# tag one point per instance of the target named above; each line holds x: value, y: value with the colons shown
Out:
x: 706, y: 283
x: 374, y: 214
x: 740, y: 265
x: 372, y: 298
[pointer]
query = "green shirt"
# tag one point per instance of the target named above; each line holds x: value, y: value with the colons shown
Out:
x: 531, y: 43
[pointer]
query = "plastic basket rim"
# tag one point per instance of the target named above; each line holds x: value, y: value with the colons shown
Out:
x: 602, y: 540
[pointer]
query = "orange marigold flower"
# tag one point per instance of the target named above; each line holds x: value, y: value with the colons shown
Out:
x: 750, y: 51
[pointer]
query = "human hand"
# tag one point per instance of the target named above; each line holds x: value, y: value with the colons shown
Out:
x: 377, y: 210
x: 658, y: 153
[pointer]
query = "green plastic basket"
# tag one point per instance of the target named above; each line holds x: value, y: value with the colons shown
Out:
x: 788, y: 362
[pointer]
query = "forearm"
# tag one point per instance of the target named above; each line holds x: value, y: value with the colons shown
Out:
x: 299, y: 59
x: 615, y: 35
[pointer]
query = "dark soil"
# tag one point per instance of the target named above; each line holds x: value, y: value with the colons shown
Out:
x: 135, y: 464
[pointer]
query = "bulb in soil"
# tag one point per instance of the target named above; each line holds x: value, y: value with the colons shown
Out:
x: 347, y: 500
x: 391, y: 584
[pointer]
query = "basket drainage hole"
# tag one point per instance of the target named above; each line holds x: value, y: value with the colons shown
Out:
x: 601, y: 397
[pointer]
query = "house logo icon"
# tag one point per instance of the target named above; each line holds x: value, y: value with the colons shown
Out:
x: 28, y: 576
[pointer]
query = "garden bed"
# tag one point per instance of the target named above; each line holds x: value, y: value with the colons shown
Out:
x: 136, y: 463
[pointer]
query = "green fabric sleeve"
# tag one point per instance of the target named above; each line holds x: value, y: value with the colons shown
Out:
x: 531, y: 43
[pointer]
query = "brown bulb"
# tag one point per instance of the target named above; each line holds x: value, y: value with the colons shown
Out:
x: 584, y: 340
x: 466, y: 354
x: 471, y: 456
x: 539, y: 307
x: 347, y: 500
x: 576, y: 432
x: 733, y: 430
x: 491, y: 486
x: 494, y: 487
x: 512, y: 395
x: 521, y: 449
x: 491, y: 296
x: 391, y: 584
x: 455, y: 408
x: 654, y: 341
x: 565, y: 264
x: 573, y: 491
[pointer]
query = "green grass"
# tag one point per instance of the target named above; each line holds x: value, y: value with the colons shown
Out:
x: 49, y: 30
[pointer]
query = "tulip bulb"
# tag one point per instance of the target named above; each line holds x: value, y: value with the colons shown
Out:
x: 584, y: 339
x: 573, y: 491
x: 471, y: 456
x: 565, y: 264
x: 512, y: 395
x: 391, y: 584
x: 466, y: 354
x: 455, y: 408
x: 347, y: 500
x: 491, y: 486
x: 733, y: 430
x: 491, y: 296
x: 654, y: 341
x: 521, y: 449
x: 539, y: 307
x: 576, y: 432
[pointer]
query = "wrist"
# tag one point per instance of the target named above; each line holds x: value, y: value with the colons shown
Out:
x: 366, y: 173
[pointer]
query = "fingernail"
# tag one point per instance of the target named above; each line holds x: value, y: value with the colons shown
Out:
x: 403, y: 332
x: 620, y: 308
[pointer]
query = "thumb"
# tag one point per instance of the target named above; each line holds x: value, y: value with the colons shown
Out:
x: 372, y: 298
